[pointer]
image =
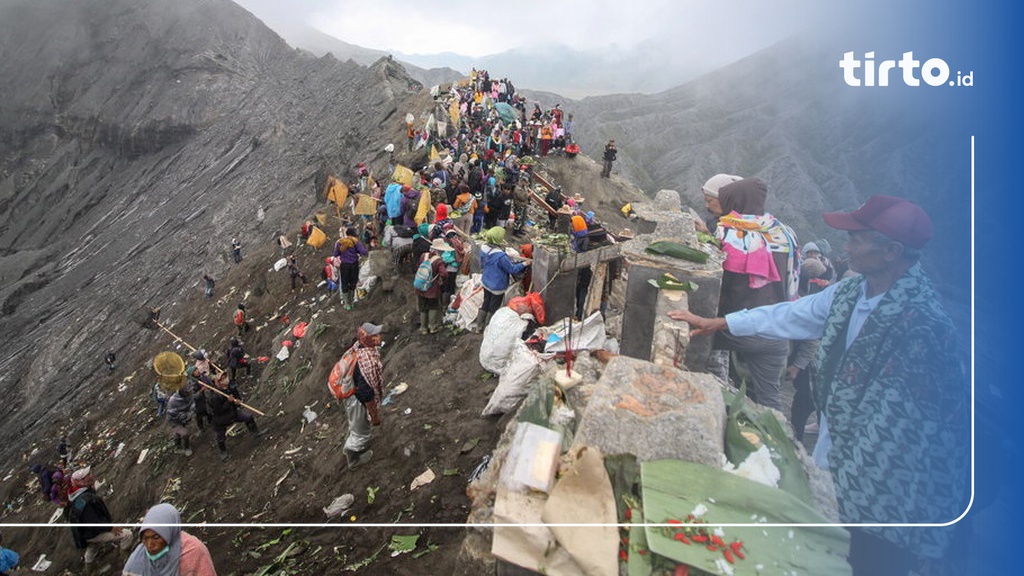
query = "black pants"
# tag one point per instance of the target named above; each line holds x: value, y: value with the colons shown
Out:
x: 349, y: 273
x: 234, y: 368
x: 492, y: 301
x: 583, y: 278
x: 803, y: 402
x: 222, y: 429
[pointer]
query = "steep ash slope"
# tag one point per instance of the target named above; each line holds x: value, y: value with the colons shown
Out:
x: 136, y: 139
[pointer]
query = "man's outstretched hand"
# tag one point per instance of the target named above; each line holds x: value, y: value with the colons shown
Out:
x: 699, y: 324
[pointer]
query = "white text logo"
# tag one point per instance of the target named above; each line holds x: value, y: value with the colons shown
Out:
x: 934, y: 71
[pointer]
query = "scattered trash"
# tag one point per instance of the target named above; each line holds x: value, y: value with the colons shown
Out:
x: 282, y: 478
x: 423, y: 479
x: 283, y: 354
x: 469, y: 445
x: 41, y: 564
x: 340, y: 505
x: 293, y: 451
x: 402, y: 387
x: 402, y: 544
x: 407, y: 411
x: 451, y: 472
x: 309, y: 415
x: 421, y: 553
x: 142, y: 455
x: 480, y: 468
x: 280, y: 264
x: 371, y: 494
x: 120, y: 448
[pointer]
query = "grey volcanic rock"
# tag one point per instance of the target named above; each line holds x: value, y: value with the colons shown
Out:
x: 136, y: 139
x: 655, y: 412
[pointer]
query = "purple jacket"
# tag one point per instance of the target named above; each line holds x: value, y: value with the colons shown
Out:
x: 348, y: 252
x: 410, y: 202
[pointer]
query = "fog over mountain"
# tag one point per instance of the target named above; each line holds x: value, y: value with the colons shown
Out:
x: 317, y: 43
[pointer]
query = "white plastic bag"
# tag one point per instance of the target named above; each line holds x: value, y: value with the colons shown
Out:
x: 513, y: 385
x: 471, y: 298
x: 501, y: 334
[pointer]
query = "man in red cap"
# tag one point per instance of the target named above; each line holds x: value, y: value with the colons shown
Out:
x: 891, y: 388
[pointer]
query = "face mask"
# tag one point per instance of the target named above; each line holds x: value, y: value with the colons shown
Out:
x: 158, y: 555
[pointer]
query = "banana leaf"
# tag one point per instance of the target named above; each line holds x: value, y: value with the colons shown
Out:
x: 638, y: 564
x: 669, y: 282
x: 542, y: 399
x: 672, y: 489
x: 678, y: 250
x: 744, y: 418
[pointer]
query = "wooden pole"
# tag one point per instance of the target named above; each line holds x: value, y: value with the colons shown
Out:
x: 203, y: 384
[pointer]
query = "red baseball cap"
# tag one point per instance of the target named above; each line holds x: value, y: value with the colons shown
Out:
x: 897, y: 218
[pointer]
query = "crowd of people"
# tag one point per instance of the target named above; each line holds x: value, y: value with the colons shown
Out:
x: 855, y: 345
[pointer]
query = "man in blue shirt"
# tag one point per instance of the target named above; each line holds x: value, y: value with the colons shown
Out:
x: 891, y: 389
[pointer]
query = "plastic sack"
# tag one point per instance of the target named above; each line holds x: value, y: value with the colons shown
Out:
x: 300, y: 329
x: 500, y: 336
x: 524, y: 365
x: 468, y: 302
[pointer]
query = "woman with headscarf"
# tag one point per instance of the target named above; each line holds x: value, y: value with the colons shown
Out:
x: 166, y: 549
x: 758, y: 270
x: 497, y: 267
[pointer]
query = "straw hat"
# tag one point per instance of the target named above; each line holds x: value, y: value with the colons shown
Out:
x: 440, y: 245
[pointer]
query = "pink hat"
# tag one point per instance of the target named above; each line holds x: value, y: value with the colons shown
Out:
x: 897, y: 218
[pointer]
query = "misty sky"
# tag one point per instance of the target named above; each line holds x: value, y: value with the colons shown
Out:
x: 716, y: 29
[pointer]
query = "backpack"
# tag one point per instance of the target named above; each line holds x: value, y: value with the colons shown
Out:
x: 239, y: 317
x: 425, y: 277
x: 340, y: 382
x: 462, y: 210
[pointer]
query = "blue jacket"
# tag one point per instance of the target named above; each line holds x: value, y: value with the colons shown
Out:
x: 497, y: 266
x: 8, y: 560
x: 393, y: 200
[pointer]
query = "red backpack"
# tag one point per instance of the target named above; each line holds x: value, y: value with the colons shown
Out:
x: 341, y: 382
